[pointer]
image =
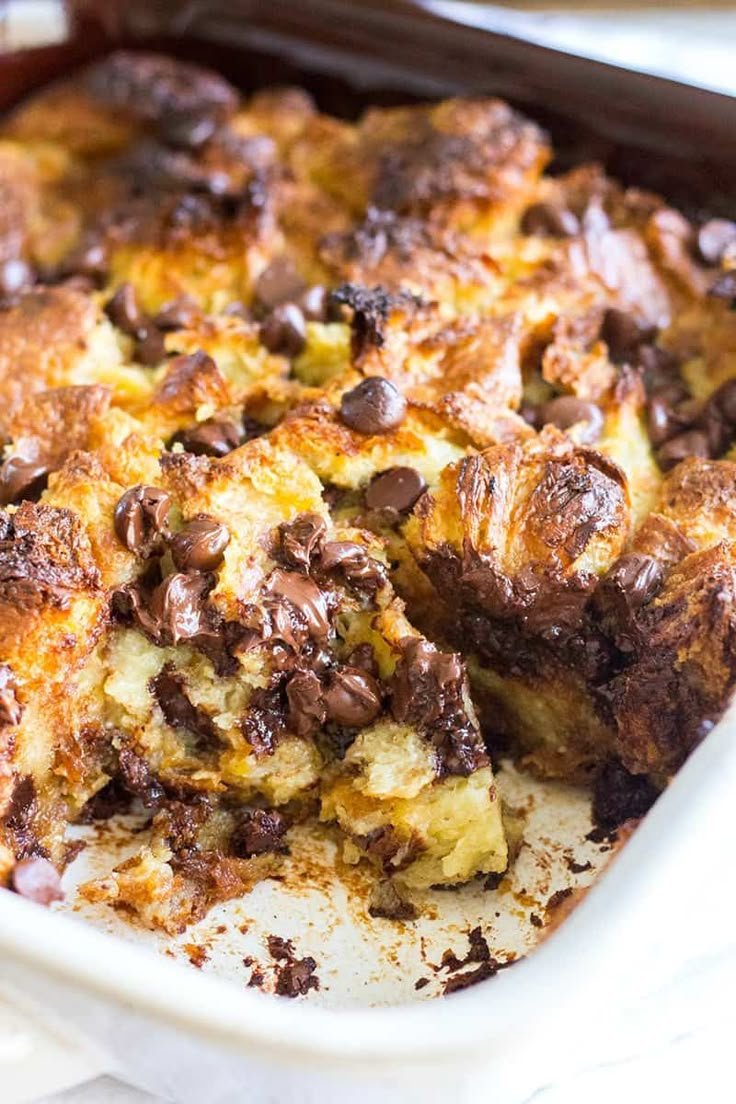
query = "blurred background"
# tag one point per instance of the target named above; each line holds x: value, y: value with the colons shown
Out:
x: 694, y: 40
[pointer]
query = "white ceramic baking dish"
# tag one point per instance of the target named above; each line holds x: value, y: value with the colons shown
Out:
x: 647, y: 956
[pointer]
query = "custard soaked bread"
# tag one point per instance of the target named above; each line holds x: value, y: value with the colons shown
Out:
x: 337, y: 458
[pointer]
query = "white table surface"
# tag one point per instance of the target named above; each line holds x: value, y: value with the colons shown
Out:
x: 698, y: 47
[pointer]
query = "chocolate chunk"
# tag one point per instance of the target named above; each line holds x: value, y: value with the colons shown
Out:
x: 296, y: 976
x: 725, y: 286
x: 364, y: 657
x: 306, y: 705
x: 352, y: 697
x: 622, y: 334
x: 549, y: 221
x: 279, y: 283
x: 11, y: 710
x: 427, y: 690
x: 351, y: 561
x: 374, y: 406
x: 141, y: 520
x: 619, y: 796
x: 37, y: 880
x: 301, y: 539
x: 211, y: 438
x: 304, y: 597
x: 15, y: 276
x: 396, y: 489
x: 138, y: 778
x: 201, y: 544
x: 692, y: 443
x: 714, y: 239
x: 169, y: 690
x: 124, y: 311
x: 632, y: 582
x: 284, y: 331
x: 422, y: 676
x: 260, y: 832
x: 22, y: 479
x: 371, y: 309
x: 566, y: 411
x: 252, y: 428
x: 264, y: 722
x: 21, y: 816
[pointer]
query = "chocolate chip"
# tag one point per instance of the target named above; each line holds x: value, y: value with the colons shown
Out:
x: 662, y: 422
x: 11, y: 710
x: 89, y: 259
x: 260, y: 832
x: 305, y: 597
x: 124, y: 311
x: 15, y: 276
x: 352, y: 697
x: 622, y: 334
x: 201, y: 544
x: 141, y: 519
x: 150, y: 348
x: 306, y: 705
x: 548, y: 220
x: 396, y: 489
x: 284, y: 331
x: 180, y: 314
x: 176, y: 607
x: 725, y: 286
x: 566, y: 411
x: 724, y: 399
x: 211, y: 438
x: 22, y: 479
x: 714, y: 239
x: 692, y: 443
x: 351, y: 560
x: 37, y: 880
x: 279, y: 283
x: 374, y: 406
x: 301, y: 539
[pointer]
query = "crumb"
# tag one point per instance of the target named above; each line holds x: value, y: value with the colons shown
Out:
x: 196, y: 953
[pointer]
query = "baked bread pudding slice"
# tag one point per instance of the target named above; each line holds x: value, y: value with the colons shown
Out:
x: 338, y: 457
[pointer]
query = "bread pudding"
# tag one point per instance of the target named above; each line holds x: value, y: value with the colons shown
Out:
x: 341, y: 458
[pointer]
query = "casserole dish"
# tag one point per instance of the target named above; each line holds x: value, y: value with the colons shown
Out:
x: 405, y: 1040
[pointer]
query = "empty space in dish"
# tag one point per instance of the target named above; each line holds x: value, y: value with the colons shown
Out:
x: 322, y: 906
